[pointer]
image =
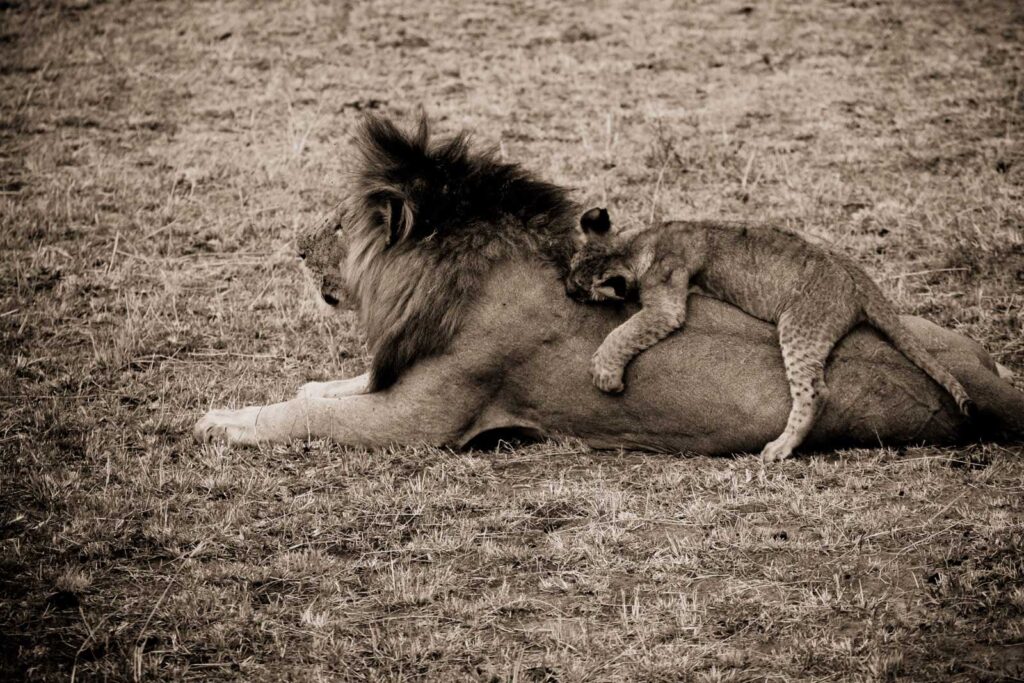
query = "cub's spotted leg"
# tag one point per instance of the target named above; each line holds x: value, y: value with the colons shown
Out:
x: 806, y: 343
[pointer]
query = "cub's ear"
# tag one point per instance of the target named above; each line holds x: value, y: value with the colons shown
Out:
x: 596, y: 222
x: 398, y: 220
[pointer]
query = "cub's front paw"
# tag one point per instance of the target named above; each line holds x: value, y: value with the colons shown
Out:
x: 230, y: 426
x: 607, y: 376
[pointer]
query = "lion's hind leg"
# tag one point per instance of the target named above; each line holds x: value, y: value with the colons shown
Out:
x: 806, y: 342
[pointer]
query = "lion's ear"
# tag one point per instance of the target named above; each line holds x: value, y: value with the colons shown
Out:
x: 398, y: 220
x: 595, y: 223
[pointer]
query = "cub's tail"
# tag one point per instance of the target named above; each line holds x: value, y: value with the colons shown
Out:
x: 880, y: 314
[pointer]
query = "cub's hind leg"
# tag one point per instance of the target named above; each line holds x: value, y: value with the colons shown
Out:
x: 806, y: 339
x: 881, y: 314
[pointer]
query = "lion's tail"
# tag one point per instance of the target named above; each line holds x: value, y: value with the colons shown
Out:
x: 880, y: 314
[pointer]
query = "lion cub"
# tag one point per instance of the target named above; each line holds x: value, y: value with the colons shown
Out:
x: 813, y: 296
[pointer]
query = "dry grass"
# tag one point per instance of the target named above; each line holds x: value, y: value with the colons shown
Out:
x: 155, y: 163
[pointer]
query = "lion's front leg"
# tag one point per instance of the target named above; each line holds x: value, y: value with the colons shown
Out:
x: 371, y: 420
x: 353, y: 386
x: 241, y: 426
x: 426, y: 407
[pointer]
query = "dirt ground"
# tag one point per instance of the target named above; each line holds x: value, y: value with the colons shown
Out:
x: 156, y: 162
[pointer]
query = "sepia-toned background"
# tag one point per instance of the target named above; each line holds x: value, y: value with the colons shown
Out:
x: 156, y: 162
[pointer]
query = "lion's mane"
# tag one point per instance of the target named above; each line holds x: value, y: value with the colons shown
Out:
x: 428, y: 220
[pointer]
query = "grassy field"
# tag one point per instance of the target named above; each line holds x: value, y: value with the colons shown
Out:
x: 156, y: 161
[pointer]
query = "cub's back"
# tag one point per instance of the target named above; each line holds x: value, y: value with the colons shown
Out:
x: 763, y: 269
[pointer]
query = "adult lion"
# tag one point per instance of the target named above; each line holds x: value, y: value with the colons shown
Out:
x: 455, y: 263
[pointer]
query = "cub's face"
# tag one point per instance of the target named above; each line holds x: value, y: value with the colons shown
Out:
x: 324, y: 252
x: 598, y: 273
x: 600, y: 269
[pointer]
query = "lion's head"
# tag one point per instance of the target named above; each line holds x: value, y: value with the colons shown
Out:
x: 423, y: 225
x: 324, y: 252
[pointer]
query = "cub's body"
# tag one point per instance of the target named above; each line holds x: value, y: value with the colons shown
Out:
x: 813, y: 296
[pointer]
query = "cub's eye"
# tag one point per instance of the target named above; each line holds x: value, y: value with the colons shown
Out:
x: 301, y: 255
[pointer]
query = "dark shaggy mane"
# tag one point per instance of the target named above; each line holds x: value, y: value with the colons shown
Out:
x: 429, y: 219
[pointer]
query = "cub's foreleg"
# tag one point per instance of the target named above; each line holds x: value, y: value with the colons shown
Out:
x: 663, y: 312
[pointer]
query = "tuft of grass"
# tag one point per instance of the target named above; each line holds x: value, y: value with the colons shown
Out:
x: 156, y: 163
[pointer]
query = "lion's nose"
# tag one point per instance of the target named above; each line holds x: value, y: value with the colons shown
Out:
x: 301, y: 254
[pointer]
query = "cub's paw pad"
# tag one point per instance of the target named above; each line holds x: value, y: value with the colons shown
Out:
x: 776, y: 451
x: 606, y: 373
x: 228, y: 426
x: 609, y: 381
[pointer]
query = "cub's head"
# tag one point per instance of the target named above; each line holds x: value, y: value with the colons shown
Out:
x: 601, y: 268
x: 324, y: 252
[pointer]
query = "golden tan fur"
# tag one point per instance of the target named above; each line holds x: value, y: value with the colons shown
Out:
x: 813, y: 296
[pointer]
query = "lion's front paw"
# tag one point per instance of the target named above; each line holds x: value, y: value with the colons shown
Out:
x: 313, y: 390
x: 778, y: 450
x: 607, y: 376
x: 340, y: 388
x: 230, y: 426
